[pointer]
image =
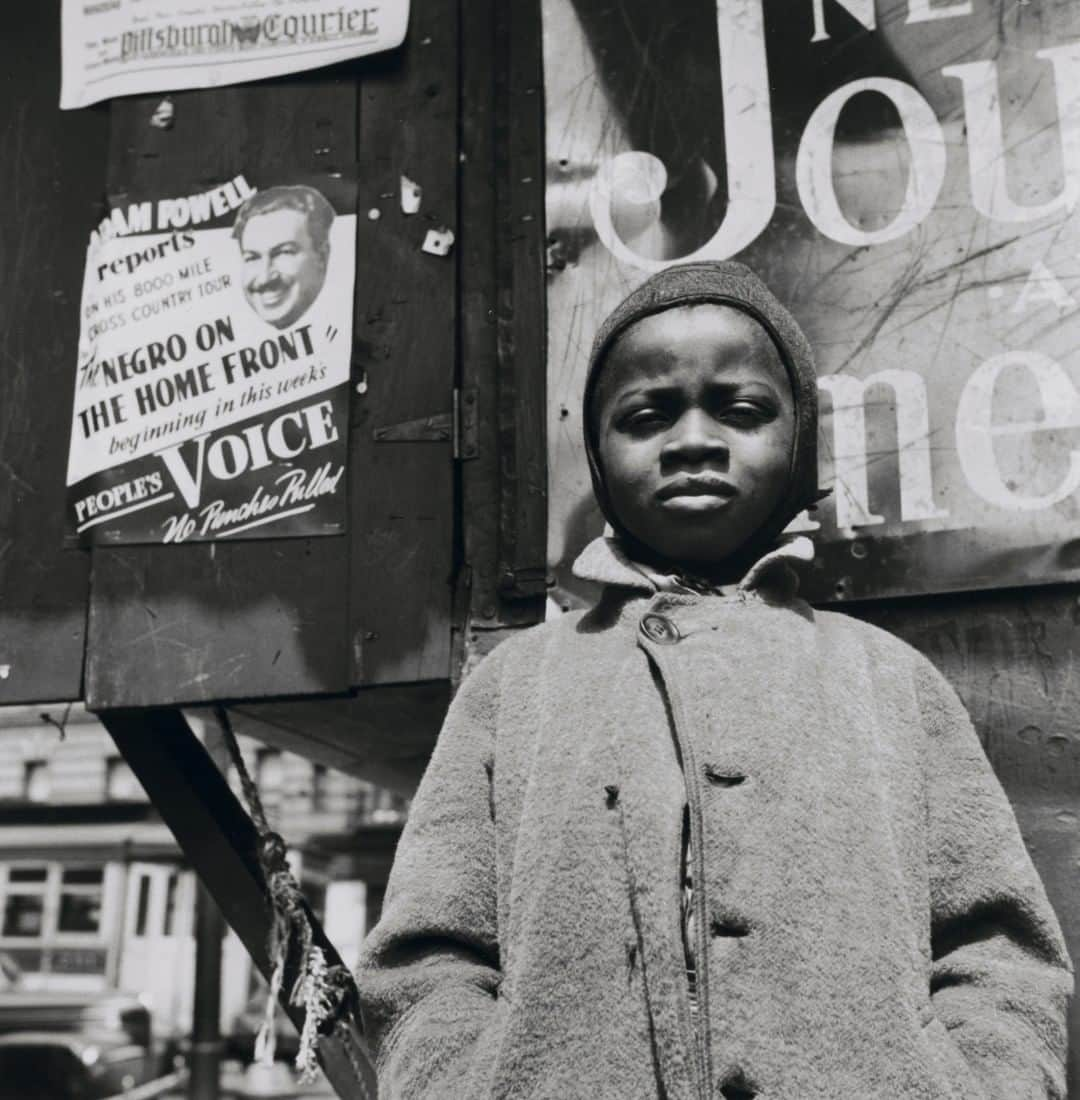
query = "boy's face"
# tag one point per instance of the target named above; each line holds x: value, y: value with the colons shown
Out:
x: 695, y: 426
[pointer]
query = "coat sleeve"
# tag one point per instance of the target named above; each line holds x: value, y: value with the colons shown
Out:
x: 1001, y: 974
x: 429, y: 972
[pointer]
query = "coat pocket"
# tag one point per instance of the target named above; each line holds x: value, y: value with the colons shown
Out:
x: 947, y: 1065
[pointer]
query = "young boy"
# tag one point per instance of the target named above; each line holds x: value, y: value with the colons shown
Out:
x: 703, y: 841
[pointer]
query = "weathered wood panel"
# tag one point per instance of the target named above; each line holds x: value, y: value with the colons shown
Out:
x: 402, y: 512
x: 503, y: 468
x: 52, y: 178
x: 199, y: 622
x: 521, y: 314
x: 1014, y: 658
x: 480, y: 466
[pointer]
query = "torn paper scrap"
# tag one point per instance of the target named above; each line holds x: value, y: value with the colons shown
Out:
x: 411, y: 194
x: 438, y: 242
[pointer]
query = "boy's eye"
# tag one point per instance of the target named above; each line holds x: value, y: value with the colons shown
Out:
x: 642, y: 420
x: 748, y: 412
x: 740, y: 413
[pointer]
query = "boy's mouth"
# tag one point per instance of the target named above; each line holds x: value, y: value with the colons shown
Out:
x: 697, y: 491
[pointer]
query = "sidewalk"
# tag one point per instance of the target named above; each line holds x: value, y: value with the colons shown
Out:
x: 236, y: 1084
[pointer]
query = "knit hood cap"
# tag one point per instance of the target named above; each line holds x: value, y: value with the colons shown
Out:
x: 732, y: 284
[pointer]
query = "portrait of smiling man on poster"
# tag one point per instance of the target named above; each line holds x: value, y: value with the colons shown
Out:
x: 284, y: 239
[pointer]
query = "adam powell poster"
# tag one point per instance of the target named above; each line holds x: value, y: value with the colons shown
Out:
x: 212, y: 392
x: 906, y: 175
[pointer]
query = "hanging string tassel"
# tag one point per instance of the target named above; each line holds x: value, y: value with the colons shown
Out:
x: 316, y: 994
x: 317, y: 988
x: 266, y: 1039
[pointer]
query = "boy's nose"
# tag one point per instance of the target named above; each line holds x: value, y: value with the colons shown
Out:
x: 694, y: 437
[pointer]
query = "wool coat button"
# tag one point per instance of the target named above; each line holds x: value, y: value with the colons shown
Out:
x: 660, y: 630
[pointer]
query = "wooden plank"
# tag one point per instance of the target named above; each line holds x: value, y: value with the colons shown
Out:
x: 51, y: 175
x: 521, y: 315
x: 477, y: 291
x: 1014, y: 658
x: 220, y: 842
x: 383, y: 734
x: 490, y: 483
x: 199, y: 622
x: 402, y: 570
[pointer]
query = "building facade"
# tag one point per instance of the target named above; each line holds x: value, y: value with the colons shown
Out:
x: 95, y: 893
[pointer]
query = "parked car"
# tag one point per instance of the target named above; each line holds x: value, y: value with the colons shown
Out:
x: 240, y: 1040
x: 77, y: 1046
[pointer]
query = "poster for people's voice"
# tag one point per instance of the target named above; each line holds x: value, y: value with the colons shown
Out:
x: 211, y: 396
x: 122, y: 47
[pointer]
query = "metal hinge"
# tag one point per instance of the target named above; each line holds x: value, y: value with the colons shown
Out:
x: 424, y: 429
x: 458, y: 426
x: 465, y: 433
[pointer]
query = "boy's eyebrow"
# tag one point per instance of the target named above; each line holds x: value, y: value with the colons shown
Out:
x: 721, y: 385
x: 644, y: 391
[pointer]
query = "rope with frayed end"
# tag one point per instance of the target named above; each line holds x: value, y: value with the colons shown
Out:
x: 318, y: 988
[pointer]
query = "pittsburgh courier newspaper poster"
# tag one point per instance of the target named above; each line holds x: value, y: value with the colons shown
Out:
x: 212, y: 390
x: 906, y: 177
x: 122, y: 47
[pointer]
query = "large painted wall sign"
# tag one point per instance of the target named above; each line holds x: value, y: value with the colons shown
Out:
x: 212, y: 391
x: 906, y: 178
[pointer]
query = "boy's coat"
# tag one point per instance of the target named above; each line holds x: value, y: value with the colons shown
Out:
x: 871, y: 925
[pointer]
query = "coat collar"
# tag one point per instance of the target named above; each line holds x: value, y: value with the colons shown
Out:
x: 606, y: 562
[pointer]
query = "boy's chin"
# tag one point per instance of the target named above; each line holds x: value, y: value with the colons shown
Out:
x: 704, y: 557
